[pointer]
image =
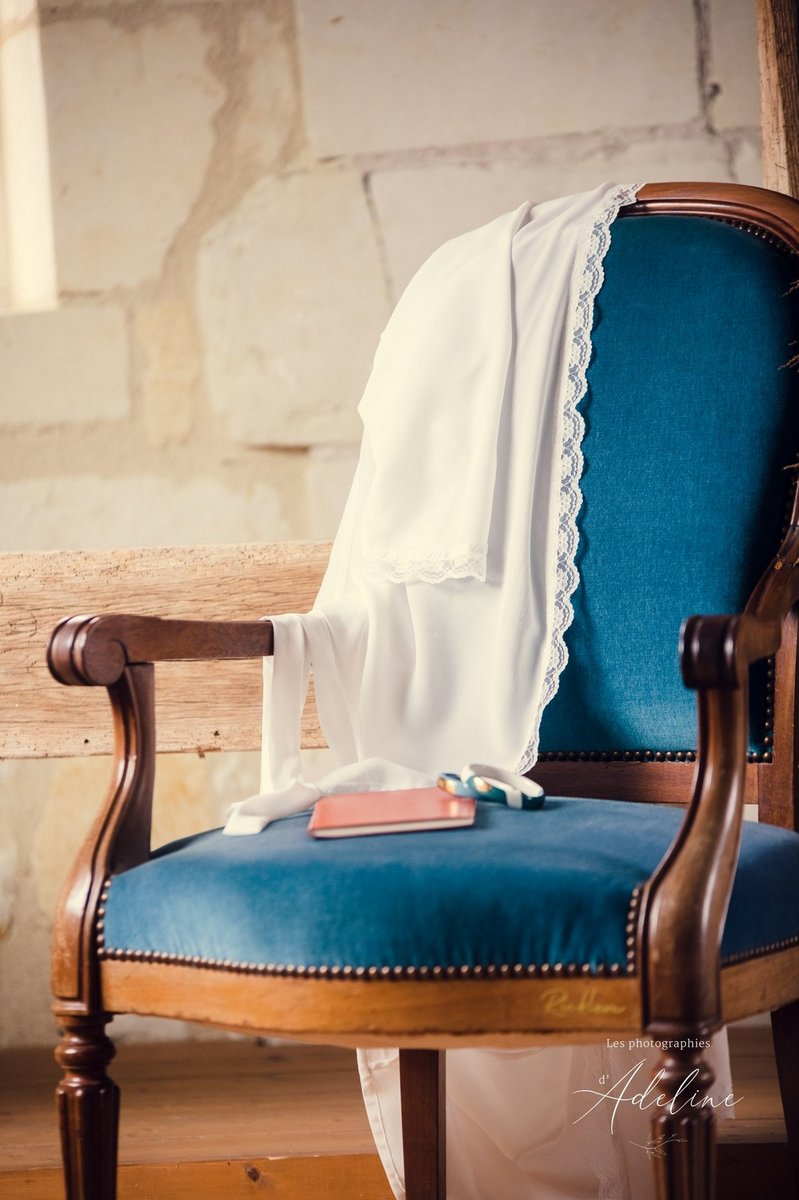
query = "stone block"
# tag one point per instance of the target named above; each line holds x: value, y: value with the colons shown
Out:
x: 168, y: 343
x: 130, y: 114
x: 733, y: 62
x: 25, y: 943
x: 419, y: 208
x: 25, y: 984
x: 64, y: 367
x: 61, y: 798
x: 139, y: 509
x: 122, y: 4
x: 660, y: 159
x: 44, y: 833
x: 232, y: 776
x: 8, y: 879
x: 74, y: 793
x: 747, y: 160
x: 329, y: 475
x: 292, y: 300
x: 407, y: 73
x: 183, y: 802
x: 182, y: 805
x: 269, y: 128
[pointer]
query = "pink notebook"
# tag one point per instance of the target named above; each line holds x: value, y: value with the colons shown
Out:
x: 360, y: 813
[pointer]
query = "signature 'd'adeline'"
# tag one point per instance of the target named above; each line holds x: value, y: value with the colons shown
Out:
x: 621, y: 1093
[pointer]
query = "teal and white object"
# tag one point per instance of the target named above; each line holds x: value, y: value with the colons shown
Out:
x: 448, y: 781
x: 502, y: 787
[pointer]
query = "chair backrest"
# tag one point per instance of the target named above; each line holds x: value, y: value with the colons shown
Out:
x: 692, y: 414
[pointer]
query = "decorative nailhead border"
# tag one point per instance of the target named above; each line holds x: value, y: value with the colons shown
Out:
x: 99, y: 929
x: 504, y: 971
x: 491, y: 971
x: 764, y: 235
x: 760, y: 952
x: 682, y: 756
x: 617, y: 756
x: 631, y: 928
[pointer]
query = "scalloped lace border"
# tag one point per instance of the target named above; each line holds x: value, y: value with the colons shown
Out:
x: 590, y: 271
x: 432, y: 568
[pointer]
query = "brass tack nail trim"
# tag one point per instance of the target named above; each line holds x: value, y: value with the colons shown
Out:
x: 313, y: 971
x: 324, y: 971
x: 617, y: 756
x: 760, y: 951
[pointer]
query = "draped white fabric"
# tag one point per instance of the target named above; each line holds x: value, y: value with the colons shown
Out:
x: 27, y: 257
x: 437, y: 635
x: 437, y: 638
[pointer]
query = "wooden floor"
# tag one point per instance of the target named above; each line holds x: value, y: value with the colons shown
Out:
x: 232, y: 1119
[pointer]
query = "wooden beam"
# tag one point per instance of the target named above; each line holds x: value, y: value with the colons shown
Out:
x: 778, y: 53
x: 199, y: 706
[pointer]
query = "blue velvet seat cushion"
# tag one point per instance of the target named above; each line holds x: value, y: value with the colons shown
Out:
x: 547, y: 887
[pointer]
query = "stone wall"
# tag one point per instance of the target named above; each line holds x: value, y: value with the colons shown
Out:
x: 242, y: 188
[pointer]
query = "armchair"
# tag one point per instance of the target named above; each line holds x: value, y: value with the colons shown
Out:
x: 602, y: 915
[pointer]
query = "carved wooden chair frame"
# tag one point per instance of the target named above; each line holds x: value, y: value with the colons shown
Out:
x: 679, y: 915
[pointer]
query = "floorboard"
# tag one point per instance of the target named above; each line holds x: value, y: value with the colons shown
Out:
x: 240, y: 1119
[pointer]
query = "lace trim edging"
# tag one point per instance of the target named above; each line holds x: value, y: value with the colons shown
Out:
x: 590, y: 272
x: 391, y: 567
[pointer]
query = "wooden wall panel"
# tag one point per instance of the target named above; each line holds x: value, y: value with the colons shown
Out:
x: 778, y: 52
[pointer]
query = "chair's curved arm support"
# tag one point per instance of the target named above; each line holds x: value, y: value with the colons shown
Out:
x: 685, y: 901
x: 118, y: 652
x: 95, y: 650
x: 716, y: 652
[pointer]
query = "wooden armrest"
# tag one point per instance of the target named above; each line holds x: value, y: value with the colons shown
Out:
x: 716, y: 651
x: 117, y: 651
x: 95, y: 650
x: 686, y: 899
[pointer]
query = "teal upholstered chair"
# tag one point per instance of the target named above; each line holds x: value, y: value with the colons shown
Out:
x: 692, y: 416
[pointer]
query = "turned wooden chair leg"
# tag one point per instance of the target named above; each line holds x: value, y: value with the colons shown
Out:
x: 88, y: 1109
x: 683, y: 1139
x: 785, y: 1031
x: 424, y: 1138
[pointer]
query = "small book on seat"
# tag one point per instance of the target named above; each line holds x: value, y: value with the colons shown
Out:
x: 358, y: 814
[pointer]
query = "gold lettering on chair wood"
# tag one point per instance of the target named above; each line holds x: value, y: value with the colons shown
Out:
x: 558, y: 1003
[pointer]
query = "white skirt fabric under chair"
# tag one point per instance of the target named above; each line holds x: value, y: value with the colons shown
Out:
x: 449, y: 582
